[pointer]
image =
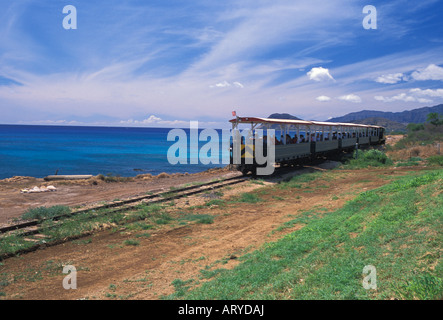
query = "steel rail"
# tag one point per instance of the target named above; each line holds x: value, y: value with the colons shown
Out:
x: 155, y: 198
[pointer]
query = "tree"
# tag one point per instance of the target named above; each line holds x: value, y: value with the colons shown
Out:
x: 415, y: 127
x: 434, y: 118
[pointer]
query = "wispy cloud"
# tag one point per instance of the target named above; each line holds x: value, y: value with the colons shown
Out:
x: 226, y: 84
x: 391, y: 78
x: 414, y: 95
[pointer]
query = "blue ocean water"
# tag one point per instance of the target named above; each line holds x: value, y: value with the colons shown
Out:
x: 39, y: 151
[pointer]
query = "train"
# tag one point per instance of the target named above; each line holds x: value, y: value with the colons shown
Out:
x: 300, y: 141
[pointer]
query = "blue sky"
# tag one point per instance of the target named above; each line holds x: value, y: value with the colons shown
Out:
x: 164, y: 63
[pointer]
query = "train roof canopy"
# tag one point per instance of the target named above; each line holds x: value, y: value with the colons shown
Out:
x: 297, y: 122
x: 269, y: 120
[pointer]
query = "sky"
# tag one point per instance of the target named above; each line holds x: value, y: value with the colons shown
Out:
x: 163, y: 63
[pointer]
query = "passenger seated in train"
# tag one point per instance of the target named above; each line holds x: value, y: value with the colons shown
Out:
x: 288, y: 139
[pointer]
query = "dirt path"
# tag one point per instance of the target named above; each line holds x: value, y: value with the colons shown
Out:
x: 108, y: 269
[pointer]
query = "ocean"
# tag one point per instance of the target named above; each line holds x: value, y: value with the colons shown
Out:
x: 38, y: 151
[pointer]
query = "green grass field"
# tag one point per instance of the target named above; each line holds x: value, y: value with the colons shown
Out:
x: 396, y: 228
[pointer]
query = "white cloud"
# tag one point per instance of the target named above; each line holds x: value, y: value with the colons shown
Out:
x: 223, y: 84
x: 323, y: 98
x: 226, y: 84
x: 427, y: 92
x: 50, y: 122
x: 400, y: 97
x: 431, y: 72
x: 422, y: 100
x: 391, y: 78
x: 351, y: 98
x: 153, y: 120
x: 320, y: 74
x: 414, y: 95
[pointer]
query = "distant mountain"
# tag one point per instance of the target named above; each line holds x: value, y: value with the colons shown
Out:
x: 279, y: 116
x: 383, y: 122
x: 283, y: 116
x: 405, y: 117
x: 392, y: 121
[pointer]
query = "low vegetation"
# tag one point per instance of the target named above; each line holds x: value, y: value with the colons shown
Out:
x: 396, y: 229
x: 41, y: 213
x: 436, y: 160
x: 368, y: 158
x: 422, y: 133
x: 109, y: 177
x: 143, y: 217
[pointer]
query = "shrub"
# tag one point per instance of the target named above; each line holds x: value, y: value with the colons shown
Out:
x: 109, y: 177
x: 373, y: 158
x: 46, y: 213
x: 436, y: 160
x: 415, y: 127
x: 420, y: 134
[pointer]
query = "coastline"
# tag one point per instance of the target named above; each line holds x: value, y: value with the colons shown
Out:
x: 111, y: 177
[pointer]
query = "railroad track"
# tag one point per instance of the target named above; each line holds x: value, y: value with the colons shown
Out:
x: 34, y: 227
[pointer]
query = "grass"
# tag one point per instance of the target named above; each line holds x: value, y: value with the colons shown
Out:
x: 83, y: 224
x: 368, y: 158
x: 163, y: 218
x: 131, y: 242
x: 396, y: 228
x: 200, y: 218
x: 10, y: 244
x: 215, y: 202
x: 300, y: 181
x: 435, y: 160
x: 248, y: 198
x: 41, y: 213
x: 180, y: 287
x: 413, y: 161
x: 422, y: 287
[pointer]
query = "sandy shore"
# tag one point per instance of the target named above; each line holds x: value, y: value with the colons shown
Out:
x: 77, y: 193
